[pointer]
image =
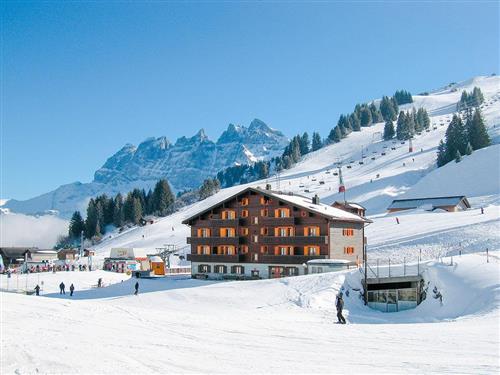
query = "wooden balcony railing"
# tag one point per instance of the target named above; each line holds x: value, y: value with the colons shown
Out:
x: 215, y: 258
x: 294, y: 240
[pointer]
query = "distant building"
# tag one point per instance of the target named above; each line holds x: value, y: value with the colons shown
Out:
x: 17, y: 255
x: 450, y: 204
x: 67, y: 254
x: 259, y: 233
x: 351, y: 207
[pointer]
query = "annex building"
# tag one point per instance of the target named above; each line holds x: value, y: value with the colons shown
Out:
x: 260, y: 233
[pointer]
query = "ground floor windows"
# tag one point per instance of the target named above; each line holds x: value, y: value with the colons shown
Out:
x: 239, y: 270
x: 204, y: 268
x: 392, y: 300
x: 280, y: 271
x: 220, y: 269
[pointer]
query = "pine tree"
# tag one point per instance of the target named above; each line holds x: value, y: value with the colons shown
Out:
x: 376, y: 115
x: 395, y: 107
x: 304, y: 144
x: 402, y: 130
x: 468, y: 150
x: 118, y: 211
x: 458, y: 157
x: 128, y: 214
x: 365, y: 117
x: 442, y: 155
x: 477, y: 134
x: 136, y: 210
x: 456, y: 138
x: 355, y: 123
x: 163, y: 198
x: 93, y: 221
x: 316, y: 141
x: 76, y: 225
x: 389, y: 131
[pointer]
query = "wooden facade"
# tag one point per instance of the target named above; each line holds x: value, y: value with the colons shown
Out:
x: 264, y: 233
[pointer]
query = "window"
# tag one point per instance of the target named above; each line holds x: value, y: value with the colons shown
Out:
x: 311, y: 250
x: 283, y: 250
x: 264, y: 231
x: 283, y: 231
x: 349, y: 232
x: 311, y: 231
x: 255, y: 257
x: 244, y: 213
x: 226, y: 250
x: 203, y: 249
x: 349, y: 250
x: 227, y: 232
x: 255, y: 238
x: 276, y: 272
x: 264, y: 212
x: 204, y: 268
x: 228, y: 214
x: 244, y: 249
x: 291, y: 271
x: 244, y: 231
x: 303, y: 213
x: 220, y: 269
x: 244, y: 201
x: 264, y: 200
x: 239, y: 270
x: 282, y: 212
x: 204, y: 232
x: 255, y: 220
x: 263, y: 249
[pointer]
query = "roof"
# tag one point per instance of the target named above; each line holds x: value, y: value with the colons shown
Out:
x: 434, y: 201
x: 351, y: 205
x: 329, y: 261
x: 13, y: 252
x: 322, y: 209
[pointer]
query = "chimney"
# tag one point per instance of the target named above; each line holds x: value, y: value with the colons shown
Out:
x: 268, y: 186
x: 315, y: 199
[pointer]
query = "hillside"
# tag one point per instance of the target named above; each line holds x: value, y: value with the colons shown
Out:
x: 400, y: 174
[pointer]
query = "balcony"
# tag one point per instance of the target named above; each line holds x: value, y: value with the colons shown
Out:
x: 265, y: 220
x: 215, y: 222
x: 214, y: 258
x: 213, y: 241
x: 289, y: 259
x: 294, y: 240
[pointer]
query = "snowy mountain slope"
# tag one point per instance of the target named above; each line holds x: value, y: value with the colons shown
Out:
x: 185, y: 163
x: 287, y: 325
x: 400, y: 173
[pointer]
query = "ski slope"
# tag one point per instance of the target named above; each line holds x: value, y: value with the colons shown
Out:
x: 400, y: 173
x: 178, y: 325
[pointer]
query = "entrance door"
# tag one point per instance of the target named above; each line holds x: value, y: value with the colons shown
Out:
x: 392, y: 300
x: 276, y: 272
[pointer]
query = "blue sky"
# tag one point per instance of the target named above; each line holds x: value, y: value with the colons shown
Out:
x: 81, y: 79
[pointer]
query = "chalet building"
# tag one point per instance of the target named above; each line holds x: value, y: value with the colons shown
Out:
x: 450, y: 204
x: 354, y: 208
x: 17, y: 255
x: 259, y: 233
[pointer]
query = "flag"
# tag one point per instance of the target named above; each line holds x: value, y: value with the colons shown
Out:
x: 341, y: 182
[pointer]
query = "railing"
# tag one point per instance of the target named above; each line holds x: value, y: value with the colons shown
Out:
x: 213, y: 241
x: 296, y: 240
x: 178, y: 270
x: 266, y: 220
x: 215, y: 258
x: 377, y: 270
x: 290, y: 259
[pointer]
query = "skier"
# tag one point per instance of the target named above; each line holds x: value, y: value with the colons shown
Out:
x: 99, y: 282
x: 37, y: 289
x: 482, y: 210
x: 339, y: 304
x: 136, y: 288
x: 71, y: 290
x: 61, y: 288
x: 397, y: 220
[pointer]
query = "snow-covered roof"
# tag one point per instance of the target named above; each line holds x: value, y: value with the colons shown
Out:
x: 351, y: 204
x: 320, y: 208
x: 296, y: 200
x: 434, y: 201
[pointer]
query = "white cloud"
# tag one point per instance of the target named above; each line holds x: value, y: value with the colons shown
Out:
x: 24, y: 230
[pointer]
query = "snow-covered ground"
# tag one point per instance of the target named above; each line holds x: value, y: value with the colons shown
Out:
x: 266, y: 326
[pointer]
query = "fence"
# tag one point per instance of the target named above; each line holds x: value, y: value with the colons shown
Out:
x: 179, y: 270
x: 389, y: 269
